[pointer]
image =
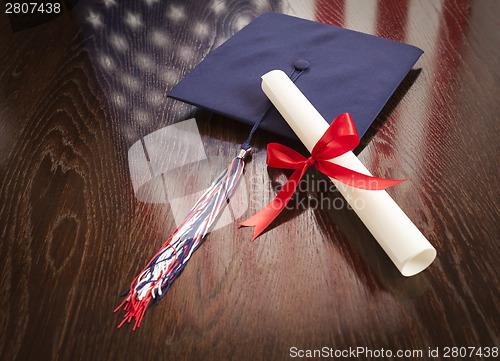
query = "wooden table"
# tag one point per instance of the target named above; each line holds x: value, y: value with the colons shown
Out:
x: 77, y: 92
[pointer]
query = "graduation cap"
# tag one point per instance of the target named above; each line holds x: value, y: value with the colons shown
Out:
x: 347, y: 71
x: 339, y: 70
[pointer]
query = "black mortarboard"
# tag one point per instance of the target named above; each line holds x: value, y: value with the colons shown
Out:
x: 349, y: 72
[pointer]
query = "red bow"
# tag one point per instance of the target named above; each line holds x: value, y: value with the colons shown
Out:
x: 340, y: 137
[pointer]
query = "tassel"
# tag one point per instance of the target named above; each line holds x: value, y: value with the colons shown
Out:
x: 155, y: 280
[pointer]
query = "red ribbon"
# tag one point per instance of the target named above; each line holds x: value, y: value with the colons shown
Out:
x: 340, y: 137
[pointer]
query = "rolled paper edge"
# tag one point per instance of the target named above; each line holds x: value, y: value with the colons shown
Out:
x: 418, y: 262
x: 409, y: 260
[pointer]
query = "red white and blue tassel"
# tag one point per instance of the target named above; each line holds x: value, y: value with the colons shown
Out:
x: 154, y: 281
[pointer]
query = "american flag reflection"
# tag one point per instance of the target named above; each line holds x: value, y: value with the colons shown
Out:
x: 143, y: 48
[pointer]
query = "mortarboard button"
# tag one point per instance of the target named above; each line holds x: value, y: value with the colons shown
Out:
x: 301, y: 64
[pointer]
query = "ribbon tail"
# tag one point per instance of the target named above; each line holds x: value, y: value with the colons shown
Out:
x: 264, y: 217
x: 355, y: 179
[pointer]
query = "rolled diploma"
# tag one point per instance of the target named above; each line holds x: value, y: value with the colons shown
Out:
x: 405, y: 245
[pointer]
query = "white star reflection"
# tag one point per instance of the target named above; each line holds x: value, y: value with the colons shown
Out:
x: 134, y: 21
x: 118, y: 42
x: 119, y: 100
x: 176, y: 13
x: 186, y: 53
x: 141, y: 117
x: 106, y: 62
x: 201, y: 30
x: 241, y: 22
x: 94, y: 19
x: 109, y: 3
x: 160, y: 39
x: 218, y: 7
x: 131, y: 82
x: 155, y: 97
x: 130, y: 132
x: 260, y: 4
x: 169, y: 76
x: 151, y: 2
x: 145, y: 62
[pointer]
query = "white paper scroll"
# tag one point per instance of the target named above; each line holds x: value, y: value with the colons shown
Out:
x: 397, y: 235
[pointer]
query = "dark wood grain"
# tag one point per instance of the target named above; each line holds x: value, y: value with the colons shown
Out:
x: 78, y: 91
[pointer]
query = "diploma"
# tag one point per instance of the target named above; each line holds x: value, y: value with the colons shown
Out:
x: 405, y: 245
